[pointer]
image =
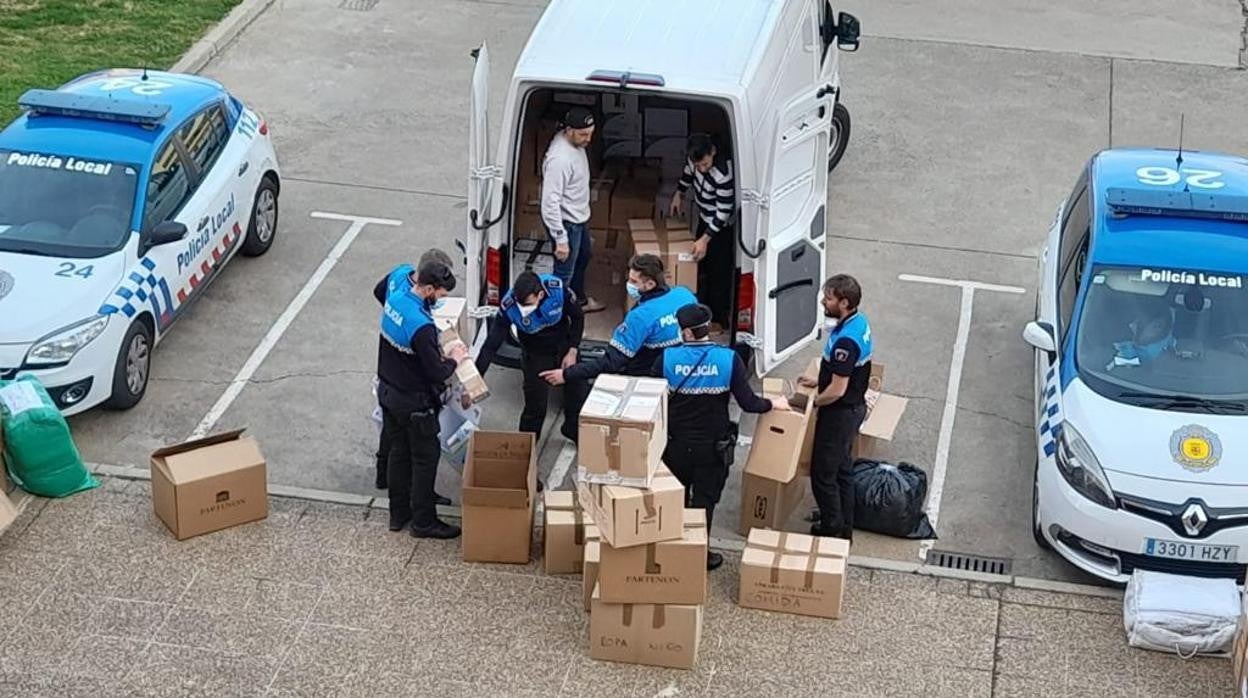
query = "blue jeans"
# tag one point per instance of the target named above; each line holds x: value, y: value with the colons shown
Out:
x: 580, y: 249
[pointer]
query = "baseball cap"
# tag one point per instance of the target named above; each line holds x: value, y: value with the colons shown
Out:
x: 578, y: 117
x: 693, y: 315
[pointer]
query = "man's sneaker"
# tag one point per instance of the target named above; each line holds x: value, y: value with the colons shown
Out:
x: 568, y: 434
x: 592, y: 305
x: 713, y: 560
x: 438, y: 529
x: 540, y: 486
x: 813, y: 516
x: 397, y: 523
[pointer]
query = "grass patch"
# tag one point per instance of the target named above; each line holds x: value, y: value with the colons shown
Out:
x: 44, y: 43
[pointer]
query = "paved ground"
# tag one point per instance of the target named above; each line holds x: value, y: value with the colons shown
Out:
x: 969, y: 124
x: 320, y: 600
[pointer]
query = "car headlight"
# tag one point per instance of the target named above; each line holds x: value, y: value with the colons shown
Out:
x: 1080, y: 468
x: 61, y: 346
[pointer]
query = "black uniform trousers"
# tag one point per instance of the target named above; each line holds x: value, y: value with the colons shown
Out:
x: 831, y: 468
x: 537, y: 391
x: 701, y: 469
x: 715, y: 277
x: 414, y: 450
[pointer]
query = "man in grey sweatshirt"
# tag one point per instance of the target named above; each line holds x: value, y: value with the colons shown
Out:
x: 565, y: 201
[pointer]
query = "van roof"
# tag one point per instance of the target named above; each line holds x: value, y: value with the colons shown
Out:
x: 691, y: 44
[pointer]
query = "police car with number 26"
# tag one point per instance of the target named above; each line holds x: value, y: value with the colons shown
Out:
x: 1142, y: 367
x: 122, y: 194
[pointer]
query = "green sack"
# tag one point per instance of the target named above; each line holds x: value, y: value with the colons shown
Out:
x: 39, y: 450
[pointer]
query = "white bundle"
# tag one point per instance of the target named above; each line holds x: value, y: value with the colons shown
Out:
x: 1180, y: 615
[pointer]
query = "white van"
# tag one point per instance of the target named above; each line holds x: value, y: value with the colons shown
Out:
x: 762, y: 77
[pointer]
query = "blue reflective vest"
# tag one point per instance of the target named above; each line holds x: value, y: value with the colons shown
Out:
x: 651, y: 324
x: 404, y: 313
x: 548, y: 314
x: 856, y: 329
x: 689, y: 373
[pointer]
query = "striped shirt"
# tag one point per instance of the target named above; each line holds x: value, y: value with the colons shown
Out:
x: 713, y: 192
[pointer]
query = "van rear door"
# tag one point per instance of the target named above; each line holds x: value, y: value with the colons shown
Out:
x: 483, y: 178
x: 791, y: 270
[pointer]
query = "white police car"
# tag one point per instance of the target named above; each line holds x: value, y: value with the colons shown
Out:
x: 1142, y: 367
x: 122, y: 194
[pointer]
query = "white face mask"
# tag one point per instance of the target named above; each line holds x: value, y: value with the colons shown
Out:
x: 634, y: 291
x: 830, y: 323
x: 527, y: 310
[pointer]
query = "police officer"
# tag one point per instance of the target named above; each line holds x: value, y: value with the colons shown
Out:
x: 648, y: 329
x: 412, y: 373
x: 842, y: 384
x: 549, y: 325
x: 701, y: 440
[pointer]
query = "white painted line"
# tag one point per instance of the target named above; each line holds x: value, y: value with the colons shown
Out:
x: 961, y: 283
x: 563, y: 463
x: 287, y: 317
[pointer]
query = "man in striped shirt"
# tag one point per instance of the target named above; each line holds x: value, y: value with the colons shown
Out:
x: 715, y: 196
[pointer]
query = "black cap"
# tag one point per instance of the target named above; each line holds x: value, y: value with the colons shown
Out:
x: 436, y: 274
x: 578, y: 117
x: 693, y: 315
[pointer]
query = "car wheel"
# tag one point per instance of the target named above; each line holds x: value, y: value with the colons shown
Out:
x: 133, y: 369
x: 263, y: 226
x: 1035, y: 510
x: 840, y: 135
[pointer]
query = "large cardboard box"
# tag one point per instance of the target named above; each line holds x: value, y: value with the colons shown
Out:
x: 1239, y: 657
x: 8, y: 512
x: 600, y: 201
x: 500, y: 490
x: 209, y: 484
x: 793, y: 573
x: 672, y: 571
x: 884, y: 412
x: 768, y: 504
x: 632, y: 198
x: 654, y: 634
x: 672, y: 242
x: 627, y: 516
x: 771, y: 488
x: 589, y: 570
x: 466, y: 375
x: 623, y: 430
x: 808, y: 443
x: 563, y: 533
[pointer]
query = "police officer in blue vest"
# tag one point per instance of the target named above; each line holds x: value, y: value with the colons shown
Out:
x: 701, y: 439
x: 412, y: 372
x: 648, y: 329
x: 842, y: 384
x: 549, y: 324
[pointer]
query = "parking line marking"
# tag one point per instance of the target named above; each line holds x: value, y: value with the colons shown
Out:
x: 941, y: 465
x: 288, y: 316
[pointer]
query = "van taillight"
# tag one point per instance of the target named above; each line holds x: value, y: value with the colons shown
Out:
x: 493, y: 275
x: 745, y: 303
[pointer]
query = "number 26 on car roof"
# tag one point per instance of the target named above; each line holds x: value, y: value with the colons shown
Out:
x: 1167, y: 176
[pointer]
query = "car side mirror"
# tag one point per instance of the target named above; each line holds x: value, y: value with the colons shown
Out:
x: 164, y: 233
x: 847, y: 32
x: 1041, y: 336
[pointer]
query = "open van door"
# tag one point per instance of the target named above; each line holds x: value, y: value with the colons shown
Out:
x: 483, y: 177
x: 789, y: 275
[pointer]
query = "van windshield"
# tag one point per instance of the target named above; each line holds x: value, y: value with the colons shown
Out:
x: 1169, y: 338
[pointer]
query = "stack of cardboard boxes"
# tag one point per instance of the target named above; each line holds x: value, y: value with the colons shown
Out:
x: 499, y: 496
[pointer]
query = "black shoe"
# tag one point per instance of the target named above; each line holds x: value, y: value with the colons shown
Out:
x: 540, y: 486
x: 713, y: 560
x: 813, y: 516
x: 570, y: 435
x: 441, y: 501
x: 437, y: 529
x: 397, y: 524
x: 381, y: 479
x: 817, y: 530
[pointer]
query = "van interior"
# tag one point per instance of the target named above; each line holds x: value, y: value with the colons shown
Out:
x: 636, y: 159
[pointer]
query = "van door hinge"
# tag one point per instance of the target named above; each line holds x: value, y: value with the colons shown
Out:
x: 753, y: 196
x: 483, y: 312
x: 749, y: 340
x: 486, y: 172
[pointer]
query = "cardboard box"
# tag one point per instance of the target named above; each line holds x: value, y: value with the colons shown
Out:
x: 808, y: 443
x: 632, y: 198
x: 627, y: 516
x: 623, y: 430
x: 778, y: 436
x: 589, y: 570
x: 8, y: 512
x: 672, y: 571
x: 654, y: 634
x: 529, y: 226
x: 600, y: 190
x: 466, y: 375
x: 563, y: 533
x: 209, y: 484
x: 1239, y: 656
x: 793, y: 573
x: 672, y: 242
x: 500, y: 490
x: 769, y: 504
x: 884, y: 412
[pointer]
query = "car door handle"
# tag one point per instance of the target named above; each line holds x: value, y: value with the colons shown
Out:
x: 242, y: 169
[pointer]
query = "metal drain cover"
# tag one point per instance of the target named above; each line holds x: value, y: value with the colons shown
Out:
x: 358, y: 5
x: 969, y: 563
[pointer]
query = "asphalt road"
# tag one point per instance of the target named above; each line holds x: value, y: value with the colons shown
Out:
x: 969, y: 125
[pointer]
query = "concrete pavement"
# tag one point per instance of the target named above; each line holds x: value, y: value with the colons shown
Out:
x: 320, y: 600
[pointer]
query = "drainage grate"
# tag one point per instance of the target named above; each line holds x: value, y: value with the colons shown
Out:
x: 968, y: 563
x: 358, y: 5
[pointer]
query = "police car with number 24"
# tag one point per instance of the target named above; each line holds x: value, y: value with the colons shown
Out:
x: 122, y: 194
x: 1141, y: 373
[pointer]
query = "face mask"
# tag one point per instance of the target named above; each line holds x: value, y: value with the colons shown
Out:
x: 437, y: 303
x: 527, y: 310
x: 830, y: 323
x: 634, y: 291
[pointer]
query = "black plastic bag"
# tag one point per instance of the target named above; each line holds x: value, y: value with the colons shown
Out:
x: 889, y: 499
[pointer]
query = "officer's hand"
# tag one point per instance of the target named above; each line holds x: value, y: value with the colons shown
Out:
x: 465, y: 401
x: 699, y: 247
x: 677, y: 204
x: 458, y: 352
x: 562, y: 251
x: 807, y: 382
x: 553, y: 376
x: 569, y: 358
x: 780, y: 403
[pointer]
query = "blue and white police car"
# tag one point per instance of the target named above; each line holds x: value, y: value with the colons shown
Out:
x: 122, y: 194
x: 1141, y: 371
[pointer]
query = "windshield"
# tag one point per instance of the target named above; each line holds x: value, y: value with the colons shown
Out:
x: 64, y: 206
x: 1171, y: 338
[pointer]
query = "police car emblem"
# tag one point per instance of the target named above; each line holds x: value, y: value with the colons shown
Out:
x: 6, y: 283
x: 1195, y: 448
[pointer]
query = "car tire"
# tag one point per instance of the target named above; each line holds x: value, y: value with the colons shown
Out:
x: 1035, y: 510
x: 840, y: 135
x: 262, y: 227
x: 133, y: 369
